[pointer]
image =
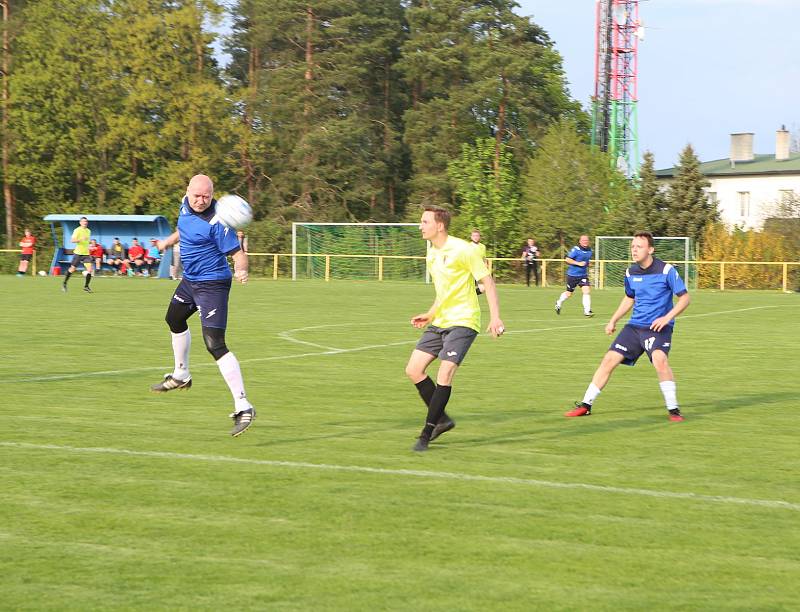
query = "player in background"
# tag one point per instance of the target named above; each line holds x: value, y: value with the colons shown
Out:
x: 453, y: 320
x: 206, y: 284
x: 136, y: 256
x: 27, y: 245
x: 530, y: 259
x: 475, y: 243
x: 96, y: 253
x: 578, y: 275
x: 80, y: 254
x: 649, y: 286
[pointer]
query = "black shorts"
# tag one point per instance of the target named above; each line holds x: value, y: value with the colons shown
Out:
x: 208, y: 298
x: 25, y: 257
x: 632, y: 341
x: 577, y: 281
x: 77, y: 260
x: 450, y: 344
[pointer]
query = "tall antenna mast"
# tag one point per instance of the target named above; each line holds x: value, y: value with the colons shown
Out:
x: 614, y: 118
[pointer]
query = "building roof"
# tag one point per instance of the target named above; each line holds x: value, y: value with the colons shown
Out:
x: 69, y: 217
x: 760, y: 165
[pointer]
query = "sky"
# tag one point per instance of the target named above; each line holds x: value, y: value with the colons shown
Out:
x: 707, y: 68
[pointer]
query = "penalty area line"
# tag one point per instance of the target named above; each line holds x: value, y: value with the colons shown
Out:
x: 425, y: 474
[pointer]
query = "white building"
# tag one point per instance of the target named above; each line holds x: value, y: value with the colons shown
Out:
x: 748, y: 187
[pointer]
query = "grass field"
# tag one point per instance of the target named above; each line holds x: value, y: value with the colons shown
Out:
x: 113, y: 497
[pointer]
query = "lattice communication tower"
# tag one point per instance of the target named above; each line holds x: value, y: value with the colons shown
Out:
x: 614, y: 119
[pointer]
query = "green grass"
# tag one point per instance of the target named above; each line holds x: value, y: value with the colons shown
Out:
x: 83, y: 526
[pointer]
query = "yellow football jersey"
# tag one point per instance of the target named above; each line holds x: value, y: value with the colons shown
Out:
x: 454, y: 267
x: 81, y: 237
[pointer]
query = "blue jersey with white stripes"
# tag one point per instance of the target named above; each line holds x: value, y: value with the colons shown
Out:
x: 578, y: 253
x: 652, y: 289
x: 205, y: 246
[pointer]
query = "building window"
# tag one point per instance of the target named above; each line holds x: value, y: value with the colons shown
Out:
x: 744, y: 203
x: 712, y: 198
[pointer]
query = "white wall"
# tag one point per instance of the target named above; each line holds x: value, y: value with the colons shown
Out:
x: 765, y: 192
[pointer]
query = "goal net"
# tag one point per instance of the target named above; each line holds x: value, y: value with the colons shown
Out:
x: 612, y: 255
x: 387, y: 251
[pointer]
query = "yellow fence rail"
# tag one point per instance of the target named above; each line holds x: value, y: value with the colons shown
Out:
x: 711, y: 274
x: 18, y: 251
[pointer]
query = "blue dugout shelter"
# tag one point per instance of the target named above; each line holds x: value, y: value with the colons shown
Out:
x: 107, y: 227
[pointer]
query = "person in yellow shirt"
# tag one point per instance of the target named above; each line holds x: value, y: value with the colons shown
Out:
x: 453, y: 320
x: 475, y: 243
x: 80, y: 254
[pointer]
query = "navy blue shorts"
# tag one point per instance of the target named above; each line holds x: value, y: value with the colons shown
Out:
x: 208, y: 298
x: 448, y: 344
x: 632, y: 341
x: 577, y: 281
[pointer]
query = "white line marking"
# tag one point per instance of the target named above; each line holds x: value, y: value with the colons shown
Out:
x: 328, y: 350
x: 719, y: 499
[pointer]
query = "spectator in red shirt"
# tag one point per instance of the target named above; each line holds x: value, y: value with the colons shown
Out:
x: 28, y: 244
x: 136, y: 256
x: 96, y: 253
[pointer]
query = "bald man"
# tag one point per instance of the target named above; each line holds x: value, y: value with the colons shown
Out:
x: 579, y: 258
x: 205, y: 246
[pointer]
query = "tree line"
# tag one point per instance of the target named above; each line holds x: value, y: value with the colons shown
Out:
x: 346, y: 110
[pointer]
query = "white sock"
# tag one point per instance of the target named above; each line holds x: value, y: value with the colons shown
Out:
x: 180, y: 348
x: 670, y: 394
x: 232, y: 373
x: 591, y: 394
x: 587, y: 303
x: 562, y: 298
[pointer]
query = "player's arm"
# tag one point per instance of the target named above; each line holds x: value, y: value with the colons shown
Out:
x: 679, y: 306
x: 624, y: 306
x: 421, y: 320
x: 496, y: 327
x: 575, y: 262
x: 240, y: 266
x: 169, y: 241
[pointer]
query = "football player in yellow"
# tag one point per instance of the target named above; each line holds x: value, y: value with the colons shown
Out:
x: 453, y: 320
x: 80, y: 254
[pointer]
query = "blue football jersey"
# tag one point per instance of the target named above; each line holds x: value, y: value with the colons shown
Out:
x: 578, y: 253
x: 204, y: 247
x: 652, y: 289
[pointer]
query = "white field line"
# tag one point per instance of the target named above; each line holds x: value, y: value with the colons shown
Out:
x: 330, y: 350
x: 510, y: 480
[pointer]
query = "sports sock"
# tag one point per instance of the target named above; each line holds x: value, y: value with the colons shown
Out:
x: 180, y: 348
x: 587, y: 303
x: 426, y: 387
x: 669, y: 391
x: 88, y: 280
x: 66, y: 276
x: 436, y: 408
x: 232, y: 373
x: 562, y: 298
x: 591, y: 394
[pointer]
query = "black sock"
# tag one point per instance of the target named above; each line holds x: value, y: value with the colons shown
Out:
x: 66, y: 276
x: 426, y: 387
x: 88, y: 280
x: 436, y: 408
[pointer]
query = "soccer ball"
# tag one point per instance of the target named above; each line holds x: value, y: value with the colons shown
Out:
x: 233, y: 211
x: 42, y: 273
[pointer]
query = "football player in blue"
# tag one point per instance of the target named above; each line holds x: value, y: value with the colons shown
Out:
x: 649, y: 288
x: 578, y: 275
x: 205, y: 246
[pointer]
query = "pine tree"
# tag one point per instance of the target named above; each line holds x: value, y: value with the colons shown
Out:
x: 689, y: 208
x: 650, y: 204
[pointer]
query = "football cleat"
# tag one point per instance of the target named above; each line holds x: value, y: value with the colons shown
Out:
x: 64, y: 287
x: 442, y: 426
x: 589, y: 314
x: 170, y: 384
x: 675, y: 415
x: 421, y: 445
x: 580, y: 410
x: 242, y: 421
x: 558, y: 309
x: 88, y: 289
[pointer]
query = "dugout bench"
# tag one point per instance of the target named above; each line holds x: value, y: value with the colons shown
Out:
x: 104, y: 229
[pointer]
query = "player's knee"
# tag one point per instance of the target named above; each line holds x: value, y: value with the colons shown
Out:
x: 215, y: 341
x: 660, y: 360
x: 414, y: 372
x: 176, y: 321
